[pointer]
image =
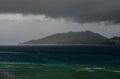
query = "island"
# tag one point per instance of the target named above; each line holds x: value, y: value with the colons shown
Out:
x: 83, y: 37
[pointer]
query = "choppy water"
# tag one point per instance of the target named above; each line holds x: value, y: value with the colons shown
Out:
x: 97, y: 55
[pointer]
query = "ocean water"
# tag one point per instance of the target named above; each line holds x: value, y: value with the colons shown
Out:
x: 66, y: 54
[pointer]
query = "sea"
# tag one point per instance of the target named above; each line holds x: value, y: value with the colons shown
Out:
x: 62, y: 54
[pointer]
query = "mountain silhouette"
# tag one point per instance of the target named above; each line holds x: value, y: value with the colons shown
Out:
x: 83, y: 37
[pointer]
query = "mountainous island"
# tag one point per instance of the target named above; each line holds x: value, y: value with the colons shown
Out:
x: 83, y: 37
x: 113, y: 41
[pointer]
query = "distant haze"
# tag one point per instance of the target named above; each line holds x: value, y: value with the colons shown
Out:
x: 22, y: 20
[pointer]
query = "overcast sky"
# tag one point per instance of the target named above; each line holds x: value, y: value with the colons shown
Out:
x: 22, y: 20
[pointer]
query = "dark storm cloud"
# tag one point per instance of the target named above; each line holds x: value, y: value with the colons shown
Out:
x: 79, y: 10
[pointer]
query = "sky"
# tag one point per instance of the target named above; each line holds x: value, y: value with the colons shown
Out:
x: 23, y: 20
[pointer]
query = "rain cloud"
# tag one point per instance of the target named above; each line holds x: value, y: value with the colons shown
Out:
x: 77, y: 10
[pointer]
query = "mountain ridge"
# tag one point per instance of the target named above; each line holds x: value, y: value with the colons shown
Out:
x: 83, y: 37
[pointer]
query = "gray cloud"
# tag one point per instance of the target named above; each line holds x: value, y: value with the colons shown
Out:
x: 79, y: 10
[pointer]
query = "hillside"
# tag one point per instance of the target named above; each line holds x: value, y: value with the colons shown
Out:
x: 83, y: 37
x: 113, y: 41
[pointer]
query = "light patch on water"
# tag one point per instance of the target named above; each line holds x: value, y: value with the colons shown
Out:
x: 99, y: 68
x: 7, y: 52
x: 117, y: 71
x: 91, y: 69
x: 114, y: 71
x: 8, y: 66
x: 15, y: 63
x: 87, y: 69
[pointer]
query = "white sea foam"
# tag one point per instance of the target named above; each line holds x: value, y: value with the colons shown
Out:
x: 99, y: 68
x: 86, y: 69
x: 114, y: 71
